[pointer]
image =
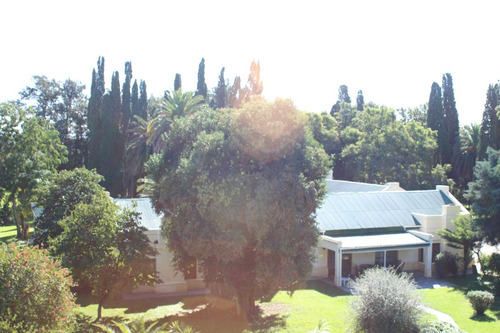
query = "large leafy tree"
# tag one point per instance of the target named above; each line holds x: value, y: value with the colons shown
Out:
x: 59, y: 196
x: 30, y: 151
x: 464, y: 237
x: 238, y: 190
x: 484, y: 193
x: 105, y: 248
x: 490, y: 126
x: 377, y: 148
x: 435, y: 121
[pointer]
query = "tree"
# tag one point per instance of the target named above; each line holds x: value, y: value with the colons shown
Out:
x: 96, y: 132
x: 46, y: 95
x: 201, y: 87
x: 450, y: 112
x: 484, y: 195
x: 105, y: 248
x: 177, y: 82
x: 254, y: 83
x: 465, y: 237
x: 418, y: 114
x: 30, y: 151
x: 126, y: 98
x: 360, y: 101
x: 143, y: 101
x: 239, y: 189
x: 342, y: 98
x: 35, y: 293
x: 135, y: 99
x: 234, y: 98
x: 221, y: 91
x: 490, y: 126
x: 385, y: 302
x: 173, y: 106
x: 137, y: 153
x: 59, y: 196
x: 435, y: 121
x: 465, y: 162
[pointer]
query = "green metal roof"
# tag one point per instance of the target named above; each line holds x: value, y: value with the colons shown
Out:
x: 148, y: 218
x: 372, y: 210
x: 334, y: 185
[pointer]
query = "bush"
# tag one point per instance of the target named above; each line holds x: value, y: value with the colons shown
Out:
x: 35, y: 291
x: 480, y: 300
x: 439, y: 327
x: 386, y: 302
x: 446, y: 264
x: 491, y: 264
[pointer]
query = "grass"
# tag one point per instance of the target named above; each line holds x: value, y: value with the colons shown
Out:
x: 8, y: 233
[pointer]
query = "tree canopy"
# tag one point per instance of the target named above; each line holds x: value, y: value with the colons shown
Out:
x: 238, y: 189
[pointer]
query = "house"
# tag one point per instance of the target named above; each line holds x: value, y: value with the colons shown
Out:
x: 364, y: 225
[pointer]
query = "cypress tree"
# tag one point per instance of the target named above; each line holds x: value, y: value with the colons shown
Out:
x: 344, y: 94
x: 177, y: 82
x: 435, y: 121
x: 254, y: 83
x: 221, y: 91
x: 201, y: 88
x: 135, y: 99
x: 450, y: 110
x: 143, y: 101
x: 127, y: 111
x: 360, y: 101
x: 95, y: 135
x: 234, y: 93
x: 490, y: 126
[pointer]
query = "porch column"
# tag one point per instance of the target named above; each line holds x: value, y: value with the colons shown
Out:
x: 385, y: 258
x: 338, y: 267
x: 428, y: 261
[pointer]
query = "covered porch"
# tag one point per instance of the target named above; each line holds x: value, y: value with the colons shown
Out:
x: 350, y: 255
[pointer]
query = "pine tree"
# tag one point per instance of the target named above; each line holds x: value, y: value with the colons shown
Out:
x: 127, y: 111
x: 435, y: 121
x: 177, y: 82
x: 201, y: 88
x: 221, y: 91
x: 135, y: 99
x: 143, y: 101
x: 490, y: 126
x: 451, y: 114
x: 94, y: 114
x: 360, y: 101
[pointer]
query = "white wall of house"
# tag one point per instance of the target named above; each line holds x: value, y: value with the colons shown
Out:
x: 320, y: 265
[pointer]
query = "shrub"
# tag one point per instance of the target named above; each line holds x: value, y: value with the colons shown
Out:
x: 386, y: 302
x: 480, y: 300
x: 491, y: 264
x: 439, y: 327
x: 35, y: 291
x: 446, y: 264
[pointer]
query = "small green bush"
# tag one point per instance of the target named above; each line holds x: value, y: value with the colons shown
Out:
x: 446, y: 264
x: 385, y: 302
x: 480, y: 300
x: 35, y: 291
x: 439, y: 327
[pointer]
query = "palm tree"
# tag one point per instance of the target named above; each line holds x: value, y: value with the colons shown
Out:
x: 466, y: 160
x: 137, y: 153
x: 174, y: 105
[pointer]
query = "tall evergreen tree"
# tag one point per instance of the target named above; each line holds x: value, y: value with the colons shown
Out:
x: 143, y: 101
x: 234, y: 98
x: 177, y: 82
x: 490, y: 126
x: 94, y: 114
x: 201, y: 88
x: 221, y: 91
x: 360, y: 101
x: 254, y: 83
x: 127, y: 111
x: 343, y: 98
x: 451, y: 118
x: 435, y: 121
x: 135, y: 99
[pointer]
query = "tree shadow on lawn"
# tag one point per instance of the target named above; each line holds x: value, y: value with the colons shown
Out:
x: 483, y: 318
x: 325, y: 288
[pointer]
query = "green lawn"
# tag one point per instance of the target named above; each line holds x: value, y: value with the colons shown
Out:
x: 8, y: 233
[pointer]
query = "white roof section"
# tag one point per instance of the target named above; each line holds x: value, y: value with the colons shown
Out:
x: 370, y: 243
x: 148, y: 217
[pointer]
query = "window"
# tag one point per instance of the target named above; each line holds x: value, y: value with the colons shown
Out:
x: 391, y: 258
x: 420, y: 255
x: 436, y: 248
x: 379, y: 258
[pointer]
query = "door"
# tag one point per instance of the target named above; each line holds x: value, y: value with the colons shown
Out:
x: 346, y: 264
x: 331, y: 263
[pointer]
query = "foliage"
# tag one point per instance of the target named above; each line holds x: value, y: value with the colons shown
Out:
x: 255, y: 85
x: 465, y: 237
x: 418, y: 114
x: 30, y: 149
x: 360, y: 101
x: 446, y: 264
x: 439, y: 327
x: 435, y: 121
x: 136, y: 326
x: 59, y: 196
x: 484, y: 194
x: 491, y: 264
x: 238, y: 189
x: 201, y: 86
x: 105, y: 248
x: 377, y: 148
x: 221, y: 92
x: 322, y: 327
x: 480, y: 300
x: 177, y: 82
x: 324, y: 130
x: 385, y: 302
x: 464, y: 162
x: 450, y: 114
x: 34, y: 290
x: 490, y: 125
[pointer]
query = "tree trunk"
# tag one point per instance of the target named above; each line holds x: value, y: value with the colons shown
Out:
x: 16, y: 217
x: 102, y: 299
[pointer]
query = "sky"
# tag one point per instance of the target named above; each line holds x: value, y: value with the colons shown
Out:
x: 391, y: 50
